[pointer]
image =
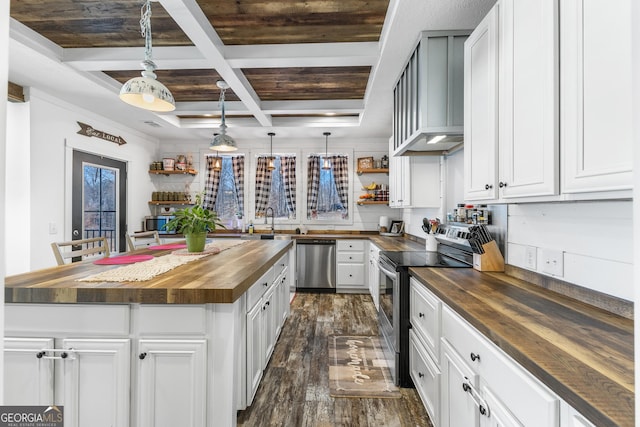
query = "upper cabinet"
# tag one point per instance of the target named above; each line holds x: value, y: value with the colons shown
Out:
x: 596, y: 120
x: 429, y: 95
x: 511, y: 102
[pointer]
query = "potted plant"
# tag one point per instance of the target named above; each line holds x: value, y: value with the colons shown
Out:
x: 194, y: 222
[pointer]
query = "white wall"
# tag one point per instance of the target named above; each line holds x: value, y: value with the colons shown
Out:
x: 363, y: 217
x: 4, y: 68
x: 53, y: 138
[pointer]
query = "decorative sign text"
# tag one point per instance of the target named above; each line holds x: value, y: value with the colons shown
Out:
x: 89, y: 131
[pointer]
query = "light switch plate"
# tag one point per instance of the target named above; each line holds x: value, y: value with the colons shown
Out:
x: 552, y: 262
x: 53, y: 228
x: 531, y: 257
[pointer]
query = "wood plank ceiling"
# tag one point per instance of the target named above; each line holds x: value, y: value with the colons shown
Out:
x: 258, y: 29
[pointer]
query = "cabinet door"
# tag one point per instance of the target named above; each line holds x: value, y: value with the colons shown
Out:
x: 424, y: 314
x: 596, y: 121
x: 270, y: 320
x: 457, y: 405
x: 28, y: 379
x: 350, y: 276
x: 426, y: 377
x: 529, y: 75
x: 481, y: 110
x: 255, y: 350
x: 374, y: 281
x: 96, y: 382
x: 172, y: 386
x: 498, y: 415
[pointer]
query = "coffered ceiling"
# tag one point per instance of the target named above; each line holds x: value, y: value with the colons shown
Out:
x: 301, y: 67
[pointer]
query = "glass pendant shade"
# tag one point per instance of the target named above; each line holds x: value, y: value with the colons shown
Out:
x: 146, y: 92
x: 326, y: 164
x: 222, y: 141
x: 271, y: 162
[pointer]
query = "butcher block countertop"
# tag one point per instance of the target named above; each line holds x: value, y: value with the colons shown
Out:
x: 582, y: 353
x: 220, y: 278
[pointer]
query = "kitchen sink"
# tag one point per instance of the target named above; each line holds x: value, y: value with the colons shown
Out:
x: 265, y: 237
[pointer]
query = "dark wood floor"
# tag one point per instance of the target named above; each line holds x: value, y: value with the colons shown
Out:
x: 295, y: 387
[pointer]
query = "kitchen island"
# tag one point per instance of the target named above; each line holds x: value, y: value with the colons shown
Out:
x: 172, y: 350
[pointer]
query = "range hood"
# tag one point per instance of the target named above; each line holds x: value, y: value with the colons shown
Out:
x: 428, y: 114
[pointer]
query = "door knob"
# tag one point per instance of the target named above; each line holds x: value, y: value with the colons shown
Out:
x: 76, y: 233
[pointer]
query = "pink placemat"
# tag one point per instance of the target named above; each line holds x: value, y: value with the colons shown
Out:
x: 169, y: 246
x: 123, y: 259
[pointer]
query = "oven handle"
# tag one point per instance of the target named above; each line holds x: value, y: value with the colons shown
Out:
x: 387, y: 271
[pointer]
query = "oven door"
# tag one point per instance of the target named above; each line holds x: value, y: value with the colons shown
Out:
x: 388, y: 313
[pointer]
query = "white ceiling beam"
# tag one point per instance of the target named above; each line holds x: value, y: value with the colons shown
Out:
x: 328, y: 106
x: 129, y: 58
x: 188, y: 15
x: 34, y: 41
x: 302, y: 55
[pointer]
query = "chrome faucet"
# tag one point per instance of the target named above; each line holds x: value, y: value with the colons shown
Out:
x: 266, y: 216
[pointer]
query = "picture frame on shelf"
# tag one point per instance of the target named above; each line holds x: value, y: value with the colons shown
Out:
x: 365, y: 163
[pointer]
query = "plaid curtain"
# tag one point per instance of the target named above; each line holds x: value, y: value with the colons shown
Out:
x: 313, y: 185
x: 238, y: 179
x: 288, y: 167
x: 263, y: 186
x: 211, y: 186
x: 340, y: 166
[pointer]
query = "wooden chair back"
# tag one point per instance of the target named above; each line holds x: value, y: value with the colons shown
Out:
x: 142, y: 239
x: 91, y: 246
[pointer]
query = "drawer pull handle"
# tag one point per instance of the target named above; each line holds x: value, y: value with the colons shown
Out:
x: 502, y: 184
x: 40, y: 354
x: 142, y: 356
x: 466, y: 387
x: 482, y: 410
x: 420, y: 314
x: 420, y: 375
x: 488, y: 186
x: 474, y: 357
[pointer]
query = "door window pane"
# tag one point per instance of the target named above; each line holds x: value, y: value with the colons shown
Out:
x: 99, y: 203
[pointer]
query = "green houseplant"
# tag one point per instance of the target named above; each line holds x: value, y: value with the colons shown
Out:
x: 194, y: 222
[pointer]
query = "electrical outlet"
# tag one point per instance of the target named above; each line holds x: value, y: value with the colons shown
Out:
x: 531, y: 257
x: 53, y: 228
x: 553, y: 262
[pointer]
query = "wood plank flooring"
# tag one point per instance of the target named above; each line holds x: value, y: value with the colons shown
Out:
x: 295, y: 387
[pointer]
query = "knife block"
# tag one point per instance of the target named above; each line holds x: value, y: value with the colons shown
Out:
x: 490, y: 260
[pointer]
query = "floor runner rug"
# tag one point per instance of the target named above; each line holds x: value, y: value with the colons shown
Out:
x: 357, y: 368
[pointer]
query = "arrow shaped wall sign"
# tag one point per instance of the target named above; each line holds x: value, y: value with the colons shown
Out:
x: 89, y: 131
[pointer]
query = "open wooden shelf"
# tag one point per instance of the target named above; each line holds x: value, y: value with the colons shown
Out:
x: 373, y: 202
x: 164, y: 172
x: 361, y: 171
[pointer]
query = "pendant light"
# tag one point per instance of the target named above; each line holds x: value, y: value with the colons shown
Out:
x: 271, y: 162
x: 222, y: 141
x: 325, y: 164
x: 146, y: 92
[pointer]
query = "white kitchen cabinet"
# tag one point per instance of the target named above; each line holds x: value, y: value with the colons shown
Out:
x: 481, y: 109
x: 525, y: 160
x: 374, y: 274
x: 596, y: 114
x: 458, y: 408
x: 351, y: 267
x: 28, y: 379
x: 424, y: 314
x: 271, y: 321
x: 426, y: 377
x: 255, y: 352
x: 414, y: 182
x: 172, y: 382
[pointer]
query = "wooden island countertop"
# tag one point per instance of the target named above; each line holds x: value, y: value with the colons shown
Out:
x: 583, y: 353
x: 220, y: 278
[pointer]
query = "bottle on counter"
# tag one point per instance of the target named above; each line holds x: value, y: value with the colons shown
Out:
x: 251, y: 227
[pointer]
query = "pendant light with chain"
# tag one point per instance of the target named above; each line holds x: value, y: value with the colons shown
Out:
x: 146, y: 92
x: 325, y: 164
x: 271, y: 162
x: 222, y: 141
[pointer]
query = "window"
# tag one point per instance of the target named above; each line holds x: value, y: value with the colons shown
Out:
x: 328, y: 189
x: 224, y: 188
x: 276, y: 189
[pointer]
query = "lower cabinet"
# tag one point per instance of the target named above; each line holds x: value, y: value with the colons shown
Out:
x: 89, y: 377
x: 351, y: 267
x: 458, y: 407
x: 426, y: 377
x: 172, y: 383
x: 374, y: 274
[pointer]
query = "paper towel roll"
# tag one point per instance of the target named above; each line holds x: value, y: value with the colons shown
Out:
x: 383, y: 222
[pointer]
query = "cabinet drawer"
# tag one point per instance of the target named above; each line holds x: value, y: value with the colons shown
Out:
x: 280, y: 266
x: 350, y: 274
x: 165, y: 320
x: 350, y: 257
x: 256, y: 291
x: 351, y: 245
x: 426, y: 377
x: 530, y: 401
x: 424, y: 312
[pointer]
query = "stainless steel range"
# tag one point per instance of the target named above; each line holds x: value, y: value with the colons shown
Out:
x: 454, y: 251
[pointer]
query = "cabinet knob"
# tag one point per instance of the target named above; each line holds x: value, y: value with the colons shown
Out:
x: 142, y: 356
x: 268, y: 303
x: 351, y: 275
x: 350, y: 257
x: 420, y: 314
x: 474, y: 357
x: 466, y: 387
x: 40, y: 354
x: 265, y: 284
x: 64, y: 355
x: 502, y: 184
x: 488, y: 187
x: 420, y: 375
x: 482, y: 409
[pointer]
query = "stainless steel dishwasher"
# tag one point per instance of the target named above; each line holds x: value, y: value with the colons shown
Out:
x: 316, y: 265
